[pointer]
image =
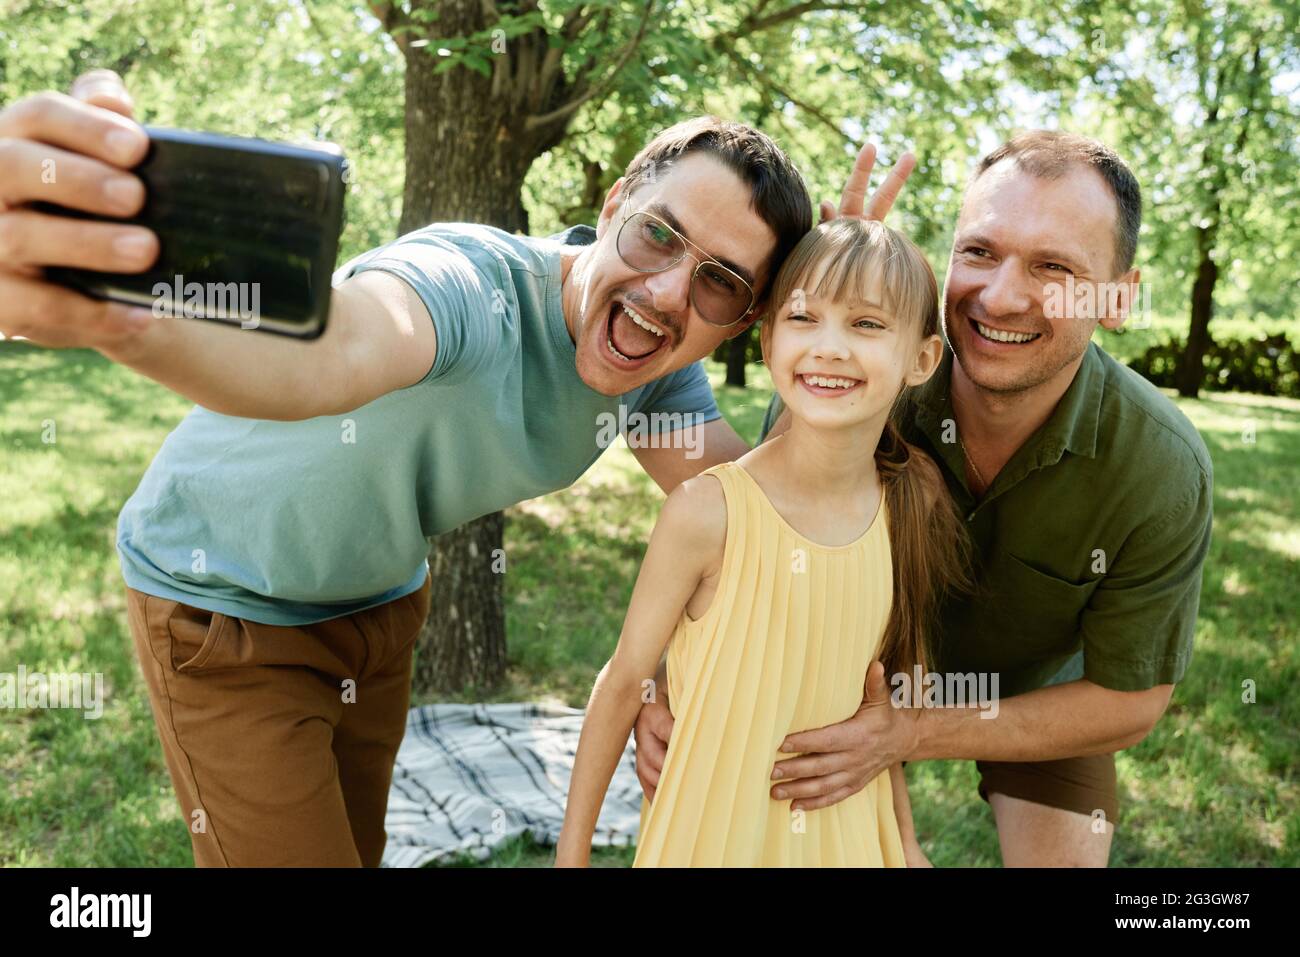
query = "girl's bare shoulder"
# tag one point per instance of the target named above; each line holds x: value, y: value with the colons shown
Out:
x: 696, y: 514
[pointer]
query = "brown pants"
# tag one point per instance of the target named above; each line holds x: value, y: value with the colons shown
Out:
x: 280, y: 741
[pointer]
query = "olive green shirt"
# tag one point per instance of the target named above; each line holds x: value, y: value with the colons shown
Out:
x: 1089, y: 545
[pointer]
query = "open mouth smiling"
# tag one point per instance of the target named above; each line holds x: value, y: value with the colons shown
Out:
x: 831, y: 386
x: 1002, y: 336
x: 630, y: 338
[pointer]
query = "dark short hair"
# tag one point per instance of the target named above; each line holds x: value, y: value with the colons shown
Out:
x: 780, y: 196
x: 1049, y: 153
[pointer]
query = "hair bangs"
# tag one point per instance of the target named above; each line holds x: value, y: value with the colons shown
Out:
x: 865, y: 261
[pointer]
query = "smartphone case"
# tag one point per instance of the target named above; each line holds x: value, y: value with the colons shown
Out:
x: 248, y: 231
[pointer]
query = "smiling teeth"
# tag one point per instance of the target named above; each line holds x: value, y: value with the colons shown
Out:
x: 997, y: 336
x: 828, y: 383
x: 643, y: 323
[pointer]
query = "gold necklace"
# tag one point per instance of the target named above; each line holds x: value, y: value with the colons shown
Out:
x: 973, y: 466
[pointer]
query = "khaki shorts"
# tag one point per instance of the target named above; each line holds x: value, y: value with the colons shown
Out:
x: 1084, y: 785
x: 280, y: 741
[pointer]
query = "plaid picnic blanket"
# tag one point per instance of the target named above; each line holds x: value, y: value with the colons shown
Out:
x: 469, y: 776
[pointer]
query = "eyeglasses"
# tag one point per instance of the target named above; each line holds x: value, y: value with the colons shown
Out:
x: 648, y: 244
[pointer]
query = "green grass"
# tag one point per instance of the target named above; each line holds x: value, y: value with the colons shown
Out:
x: 1213, y: 785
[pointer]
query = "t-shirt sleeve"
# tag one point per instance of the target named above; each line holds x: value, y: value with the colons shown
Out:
x: 682, y: 398
x: 1141, y: 619
x: 465, y: 306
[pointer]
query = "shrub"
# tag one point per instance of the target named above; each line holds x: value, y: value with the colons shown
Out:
x: 1268, y: 365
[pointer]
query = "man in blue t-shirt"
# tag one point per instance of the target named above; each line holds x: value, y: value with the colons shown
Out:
x: 274, y: 551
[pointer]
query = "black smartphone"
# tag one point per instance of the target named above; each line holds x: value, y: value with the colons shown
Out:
x: 248, y: 231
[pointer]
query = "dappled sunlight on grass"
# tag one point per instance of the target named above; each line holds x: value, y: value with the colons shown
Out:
x: 1219, y: 766
x: 1213, y: 784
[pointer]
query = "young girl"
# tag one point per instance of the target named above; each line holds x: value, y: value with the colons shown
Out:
x: 777, y: 579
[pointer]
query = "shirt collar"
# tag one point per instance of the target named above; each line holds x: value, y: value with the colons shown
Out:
x: 579, y: 235
x: 1073, y: 424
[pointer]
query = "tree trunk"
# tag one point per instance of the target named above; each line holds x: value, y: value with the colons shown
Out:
x: 1191, y: 369
x: 470, y: 140
x: 460, y: 168
x: 463, y: 645
x: 737, y: 350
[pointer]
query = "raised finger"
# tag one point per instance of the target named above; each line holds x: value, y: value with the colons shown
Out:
x: 31, y: 171
x: 103, y: 88
x: 60, y: 120
x: 855, y: 190
x: 883, y: 201
x: 29, y: 238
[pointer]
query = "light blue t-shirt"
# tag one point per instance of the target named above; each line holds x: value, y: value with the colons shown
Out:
x: 287, y: 523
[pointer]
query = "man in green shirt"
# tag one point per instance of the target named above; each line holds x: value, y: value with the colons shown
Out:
x: 1087, y: 494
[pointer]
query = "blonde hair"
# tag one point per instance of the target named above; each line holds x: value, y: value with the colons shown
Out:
x: 931, y: 552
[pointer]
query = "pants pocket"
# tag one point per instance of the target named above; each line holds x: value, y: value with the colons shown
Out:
x: 197, y: 636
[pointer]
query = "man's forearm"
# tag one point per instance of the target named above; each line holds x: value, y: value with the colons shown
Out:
x: 238, y: 371
x: 1067, y: 720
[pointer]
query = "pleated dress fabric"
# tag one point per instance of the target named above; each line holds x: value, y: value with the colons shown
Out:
x: 783, y: 647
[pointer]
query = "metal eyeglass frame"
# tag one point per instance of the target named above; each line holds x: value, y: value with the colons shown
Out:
x: 699, y: 261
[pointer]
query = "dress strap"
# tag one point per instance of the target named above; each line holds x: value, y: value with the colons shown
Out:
x: 726, y: 474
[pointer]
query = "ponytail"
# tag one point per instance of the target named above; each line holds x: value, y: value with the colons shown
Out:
x: 929, y: 546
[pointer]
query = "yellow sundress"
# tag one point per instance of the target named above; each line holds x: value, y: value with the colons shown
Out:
x: 783, y: 647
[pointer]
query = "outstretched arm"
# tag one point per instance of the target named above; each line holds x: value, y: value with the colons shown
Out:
x: 379, y: 336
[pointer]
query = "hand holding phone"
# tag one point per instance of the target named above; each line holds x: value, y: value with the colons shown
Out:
x: 201, y: 227
x: 248, y: 232
x: 74, y: 152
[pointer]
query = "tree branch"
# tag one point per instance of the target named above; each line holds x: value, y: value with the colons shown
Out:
x: 568, y: 109
x: 754, y: 22
x: 574, y: 23
x: 391, y: 16
x: 772, y: 87
x: 589, y: 61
